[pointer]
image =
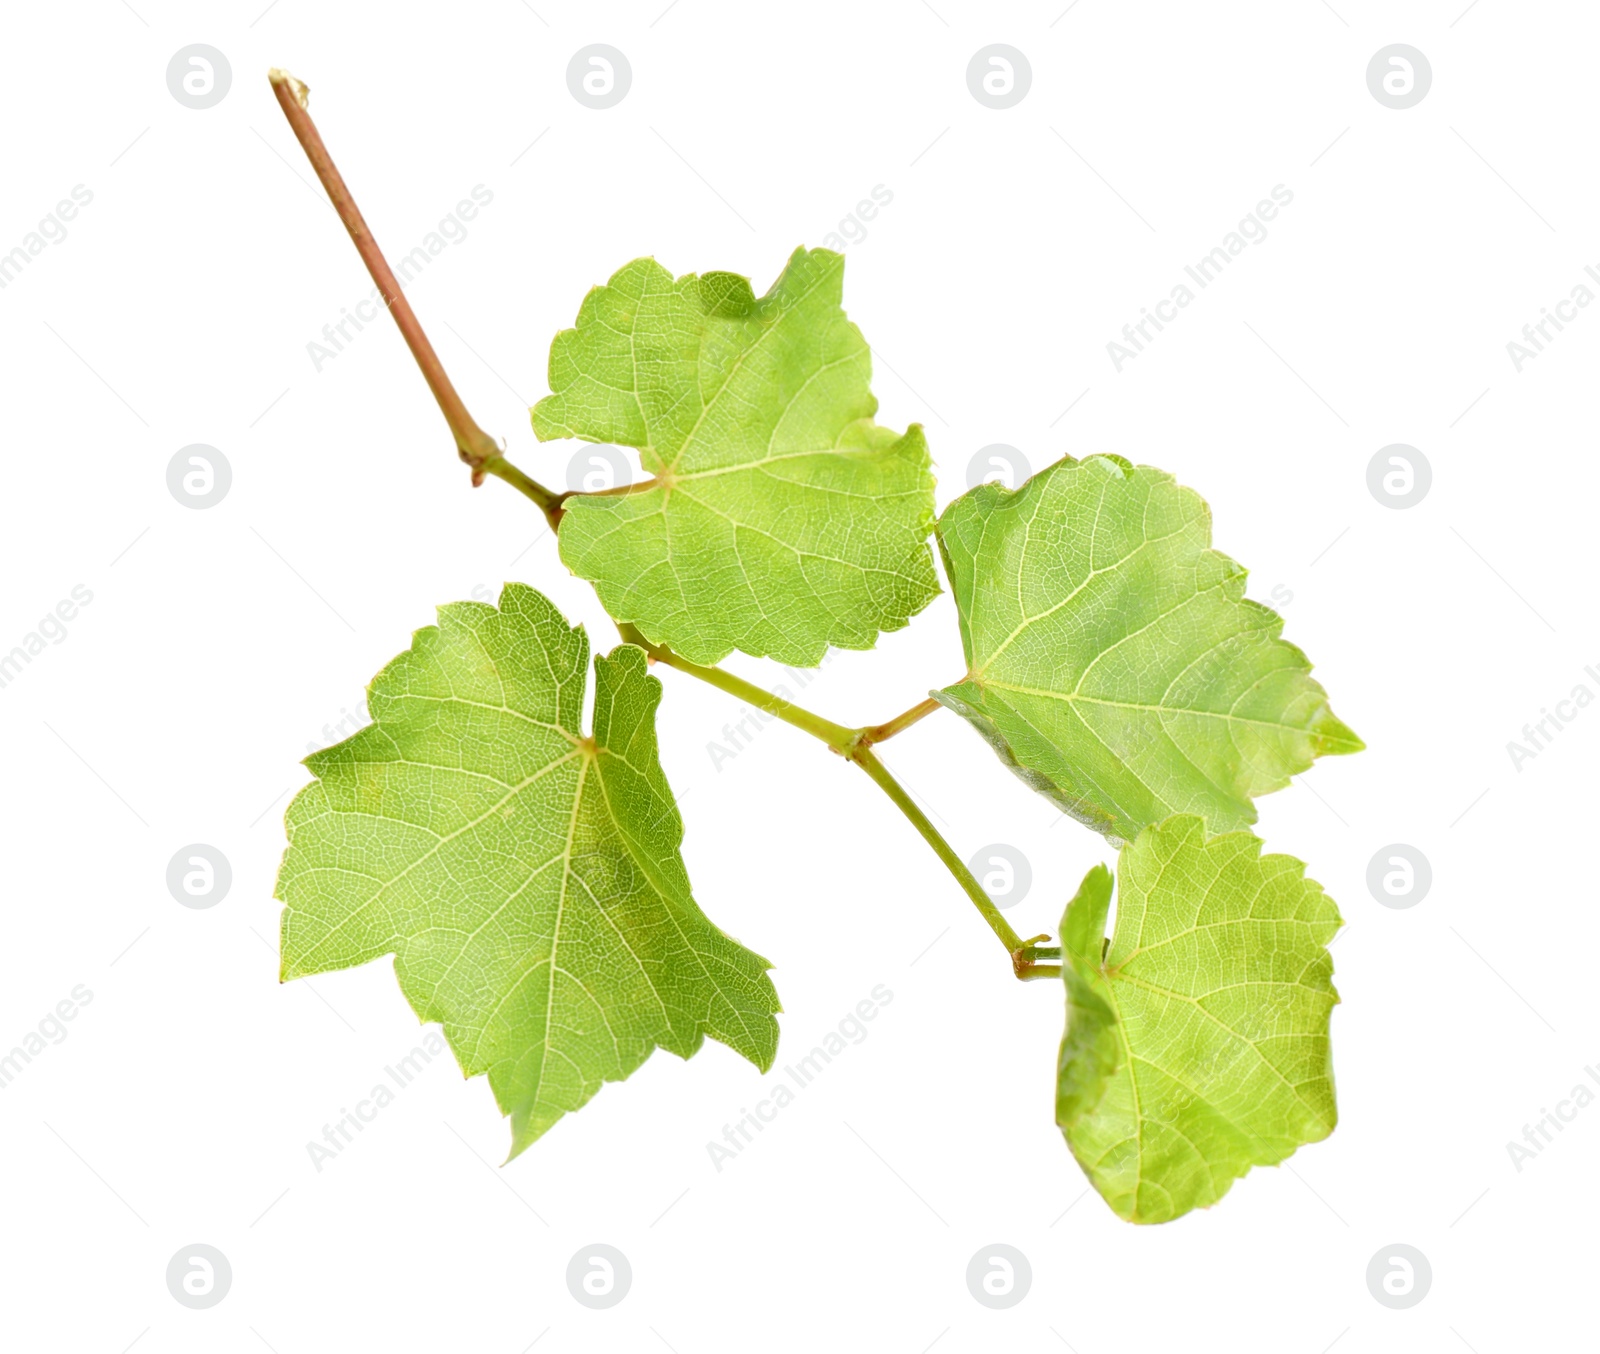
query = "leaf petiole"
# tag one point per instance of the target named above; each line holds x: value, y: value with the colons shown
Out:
x: 880, y: 733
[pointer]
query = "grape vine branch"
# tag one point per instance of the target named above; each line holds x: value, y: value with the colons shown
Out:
x: 521, y: 863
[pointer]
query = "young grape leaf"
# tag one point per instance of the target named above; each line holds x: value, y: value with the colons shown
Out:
x: 781, y: 518
x: 1113, y: 660
x: 1197, y: 1039
x: 526, y: 877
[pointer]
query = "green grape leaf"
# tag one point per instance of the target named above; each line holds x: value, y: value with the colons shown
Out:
x: 781, y: 518
x: 1113, y: 660
x: 525, y: 876
x: 1197, y: 1040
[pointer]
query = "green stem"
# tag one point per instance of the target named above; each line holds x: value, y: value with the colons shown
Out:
x: 867, y: 760
x: 475, y: 447
x: 836, y: 736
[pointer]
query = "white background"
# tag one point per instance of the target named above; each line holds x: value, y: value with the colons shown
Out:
x: 219, y: 643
